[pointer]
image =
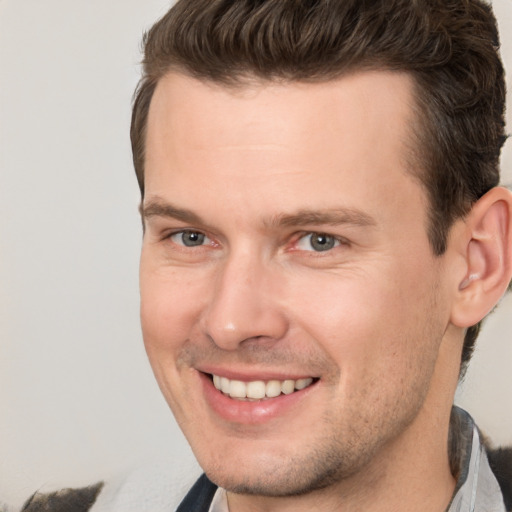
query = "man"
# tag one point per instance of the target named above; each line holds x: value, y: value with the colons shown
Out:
x: 323, y: 234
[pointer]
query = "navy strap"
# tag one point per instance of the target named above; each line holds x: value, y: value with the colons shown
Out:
x: 200, y: 496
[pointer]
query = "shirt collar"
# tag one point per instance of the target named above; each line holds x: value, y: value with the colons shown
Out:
x: 477, y: 489
x: 220, y: 502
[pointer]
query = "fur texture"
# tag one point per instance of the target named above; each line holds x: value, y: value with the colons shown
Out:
x: 500, y: 460
x: 66, y: 500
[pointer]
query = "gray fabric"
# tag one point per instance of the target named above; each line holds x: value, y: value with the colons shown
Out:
x: 477, y: 489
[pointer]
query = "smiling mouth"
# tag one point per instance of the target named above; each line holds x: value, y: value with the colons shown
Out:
x: 259, y: 389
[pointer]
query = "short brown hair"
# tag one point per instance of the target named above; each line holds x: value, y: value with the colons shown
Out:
x: 449, y: 47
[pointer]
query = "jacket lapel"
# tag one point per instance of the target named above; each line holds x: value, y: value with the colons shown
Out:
x: 199, y: 497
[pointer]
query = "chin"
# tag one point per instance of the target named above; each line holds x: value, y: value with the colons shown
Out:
x: 283, y: 476
x: 295, y: 484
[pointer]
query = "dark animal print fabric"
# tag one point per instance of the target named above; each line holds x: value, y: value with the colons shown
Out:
x: 66, y: 500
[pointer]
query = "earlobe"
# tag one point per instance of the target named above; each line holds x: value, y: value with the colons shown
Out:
x: 488, y: 257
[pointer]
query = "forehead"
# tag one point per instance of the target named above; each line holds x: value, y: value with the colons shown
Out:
x: 364, y: 102
x: 267, y: 142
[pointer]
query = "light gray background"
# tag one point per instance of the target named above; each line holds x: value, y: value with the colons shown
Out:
x: 77, y: 397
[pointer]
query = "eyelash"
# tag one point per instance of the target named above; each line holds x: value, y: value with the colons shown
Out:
x: 328, y: 240
x: 183, y: 232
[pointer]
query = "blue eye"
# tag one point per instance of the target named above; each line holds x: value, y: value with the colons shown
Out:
x: 190, y: 238
x: 318, y: 242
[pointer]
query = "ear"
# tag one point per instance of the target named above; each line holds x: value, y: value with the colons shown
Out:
x: 486, y: 243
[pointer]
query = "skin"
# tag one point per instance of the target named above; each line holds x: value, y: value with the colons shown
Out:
x: 256, y: 170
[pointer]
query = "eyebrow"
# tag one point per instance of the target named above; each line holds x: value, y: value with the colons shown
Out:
x: 159, y: 208
x: 332, y: 217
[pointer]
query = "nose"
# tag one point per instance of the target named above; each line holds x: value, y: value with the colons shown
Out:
x: 244, y: 305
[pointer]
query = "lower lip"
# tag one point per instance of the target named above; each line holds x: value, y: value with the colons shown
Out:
x: 250, y: 412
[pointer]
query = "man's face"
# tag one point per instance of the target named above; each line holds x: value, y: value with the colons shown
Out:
x: 285, y: 246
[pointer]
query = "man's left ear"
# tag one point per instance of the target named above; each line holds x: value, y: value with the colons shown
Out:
x: 487, y: 250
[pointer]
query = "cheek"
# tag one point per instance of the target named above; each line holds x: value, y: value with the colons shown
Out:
x: 169, y: 310
x: 338, y: 308
x: 365, y: 324
x: 171, y: 301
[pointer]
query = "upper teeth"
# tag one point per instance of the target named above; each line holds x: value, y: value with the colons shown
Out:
x: 259, y: 389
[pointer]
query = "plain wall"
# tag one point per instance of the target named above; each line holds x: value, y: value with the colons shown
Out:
x: 77, y: 398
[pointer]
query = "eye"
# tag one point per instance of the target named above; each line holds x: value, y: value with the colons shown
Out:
x: 190, y: 238
x: 318, y: 242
